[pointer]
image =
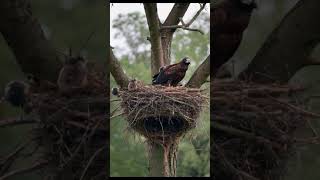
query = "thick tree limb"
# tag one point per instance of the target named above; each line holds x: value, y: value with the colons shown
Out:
x: 289, y: 46
x: 155, y: 37
x: 117, y: 72
x: 228, y: 20
x: 173, y: 19
x: 26, y: 39
x: 200, y: 75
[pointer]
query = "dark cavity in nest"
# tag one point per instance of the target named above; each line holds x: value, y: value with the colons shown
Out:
x: 166, y: 125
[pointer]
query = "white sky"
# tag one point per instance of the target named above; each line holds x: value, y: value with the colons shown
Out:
x: 163, y: 11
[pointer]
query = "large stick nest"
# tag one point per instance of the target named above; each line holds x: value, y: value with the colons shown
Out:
x: 72, y: 129
x: 254, y: 129
x: 160, y: 112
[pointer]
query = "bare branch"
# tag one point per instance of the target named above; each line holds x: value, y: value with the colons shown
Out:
x: 155, y: 36
x: 200, y: 75
x: 182, y: 27
x: 196, y: 15
x: 117, y: 72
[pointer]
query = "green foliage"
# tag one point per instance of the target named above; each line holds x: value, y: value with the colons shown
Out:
x: 127, y: 151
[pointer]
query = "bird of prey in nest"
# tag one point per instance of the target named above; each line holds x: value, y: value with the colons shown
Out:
x: 172, y: 74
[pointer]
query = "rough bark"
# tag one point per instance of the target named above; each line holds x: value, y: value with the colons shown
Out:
x: 24, y: 35
x: 117, y: 72
x: 155, y: 37
x: 177, y: 12
x: 289, y: 46
x: 200, y: 75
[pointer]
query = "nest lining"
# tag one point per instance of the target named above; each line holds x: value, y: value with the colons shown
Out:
x: 159, y: 112
x: 254, y: 129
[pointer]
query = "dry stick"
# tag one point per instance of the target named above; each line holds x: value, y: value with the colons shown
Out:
x: 9, y: 122
x: 24, y: 170
x: 90, y: 161
x: 296, y: 108
x: 237, y: 132
x: 231, y: 166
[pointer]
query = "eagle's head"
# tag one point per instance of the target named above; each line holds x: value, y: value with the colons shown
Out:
x: 186, y: 61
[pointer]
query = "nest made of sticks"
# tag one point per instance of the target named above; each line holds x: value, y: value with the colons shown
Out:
x: 254, y: 129
x: 72, y: 129
x: 159, y: 112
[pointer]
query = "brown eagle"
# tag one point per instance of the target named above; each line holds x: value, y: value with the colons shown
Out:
x: 172, y: 74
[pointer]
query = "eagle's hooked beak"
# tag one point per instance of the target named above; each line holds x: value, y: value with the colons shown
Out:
x: 187, y: 61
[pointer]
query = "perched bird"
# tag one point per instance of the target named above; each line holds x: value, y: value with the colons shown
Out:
x: 16, y: 93
x: 228, y: 21
x: 73, y: 75
x: 172, y: 74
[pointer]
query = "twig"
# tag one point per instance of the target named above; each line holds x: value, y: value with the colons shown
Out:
x: 182, y: 27
x: 90, y: 161
x: 13, y: 122
x: 24, y: 170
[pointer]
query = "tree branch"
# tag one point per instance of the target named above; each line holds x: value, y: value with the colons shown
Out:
x: 155, y: 37
x: 176, y: 13
x: 196, y: 15
x: 24, y: 35
x: 184, y: 25
x: 117, y: 72
x: 295, y: 37
x: 200, y: 75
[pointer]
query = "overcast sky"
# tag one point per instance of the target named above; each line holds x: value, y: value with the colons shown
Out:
x: 163, y: 11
